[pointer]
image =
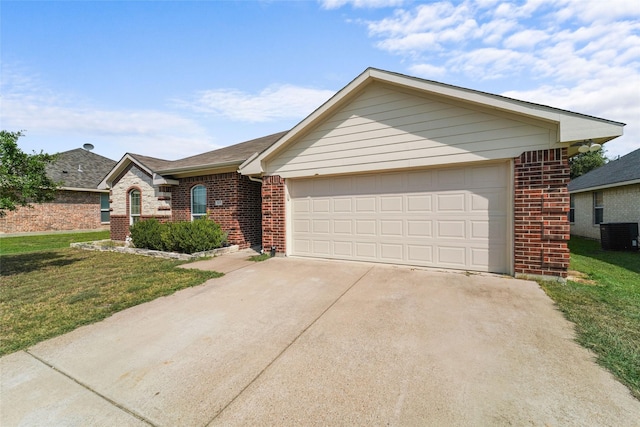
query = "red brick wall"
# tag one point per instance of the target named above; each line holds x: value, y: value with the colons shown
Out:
x: 273, y: 213
x: 239, y: 215
x: 71, y: 210
x: 541, y: 204
x: 119, y: 227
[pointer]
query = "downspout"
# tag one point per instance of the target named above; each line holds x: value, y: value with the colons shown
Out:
x: 254, y: 179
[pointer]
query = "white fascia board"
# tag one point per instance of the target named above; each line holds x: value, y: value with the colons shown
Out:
x: 256, y: 167
x: 118, y: 168
x: 605, y: 187
x: 573, y: 126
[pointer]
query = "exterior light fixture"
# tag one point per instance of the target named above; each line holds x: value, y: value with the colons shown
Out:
x: 588, y: 145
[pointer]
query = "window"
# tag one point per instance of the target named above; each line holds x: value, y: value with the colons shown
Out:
x: 572, y: 209
x: 104, y: 207
x: 598, y: 207
x: 198, y: 202
x: 134, y: 206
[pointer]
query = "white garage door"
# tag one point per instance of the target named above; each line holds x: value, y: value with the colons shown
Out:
x: 447, y: 217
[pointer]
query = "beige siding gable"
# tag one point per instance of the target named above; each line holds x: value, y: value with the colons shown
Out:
x: 386, y: 127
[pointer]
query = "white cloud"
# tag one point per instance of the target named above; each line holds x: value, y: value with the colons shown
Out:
x: 428, y: 71
x: 273, y: 103
x: 336, y: 4
x: 47, y: 117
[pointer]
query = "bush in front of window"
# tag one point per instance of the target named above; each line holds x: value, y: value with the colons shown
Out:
x: 196, y: 236
x: 147, y: 234
x: 184, y: 237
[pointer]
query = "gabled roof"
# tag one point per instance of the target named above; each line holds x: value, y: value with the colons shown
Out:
x: 572, y: 127
x: 162, y: 170
x: 624, y: 171
x: 79, y: 169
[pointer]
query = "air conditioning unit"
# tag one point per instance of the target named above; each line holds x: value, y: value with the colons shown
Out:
x: 619, y: 236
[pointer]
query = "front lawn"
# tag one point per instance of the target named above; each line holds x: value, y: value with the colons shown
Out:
x: 47, y: 293
x: 603, y: 300
x: 42, y: 242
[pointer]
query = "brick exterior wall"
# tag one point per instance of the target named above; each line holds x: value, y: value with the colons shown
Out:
x: 71, y: 210
x: 541, y: 204
x: 621, y: 204
x: 274, y: 213
x: 239, y: 214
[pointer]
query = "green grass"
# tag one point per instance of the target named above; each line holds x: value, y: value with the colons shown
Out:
x: 44, y: 242
x: 261, y: 257
x: 605, y: 307
x: 47, y: 293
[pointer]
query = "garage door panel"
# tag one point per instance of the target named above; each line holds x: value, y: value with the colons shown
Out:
x: 392, y: 252
x: 366, y: 250
x: 452, y: 256
x: 342, y: 249
x: 343, y: 226
x: 419, y: 228
x: 447, y: 217
x: 451, y: 202
x: 391, y: 228
x: 320, y: 226
x: 451, y: 229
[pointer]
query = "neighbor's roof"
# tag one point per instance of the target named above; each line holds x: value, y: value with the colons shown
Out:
x: 624, y: 171
x: 79, y: 169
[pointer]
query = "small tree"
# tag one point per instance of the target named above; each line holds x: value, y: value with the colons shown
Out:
x: 584, y: 162
x: 23, y: 178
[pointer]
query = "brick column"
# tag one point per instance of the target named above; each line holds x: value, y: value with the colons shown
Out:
x: 273, y: 214
x: 541, y: 204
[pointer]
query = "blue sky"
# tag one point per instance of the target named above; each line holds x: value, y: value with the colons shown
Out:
x: 175, y: 78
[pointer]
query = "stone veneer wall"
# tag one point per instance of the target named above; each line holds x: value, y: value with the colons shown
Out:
x: 541, y: 205
x: 155, y: 203
x: 71, y: 210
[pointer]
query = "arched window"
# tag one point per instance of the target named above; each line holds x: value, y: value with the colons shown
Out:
x: 198, y: 202
x: 135, y: 206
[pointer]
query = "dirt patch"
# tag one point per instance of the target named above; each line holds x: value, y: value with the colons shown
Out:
x: 579, y: 277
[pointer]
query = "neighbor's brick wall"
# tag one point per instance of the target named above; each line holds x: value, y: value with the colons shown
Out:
x: 274, y: 213
x: 70, y: 210
x: 621, y: 204
x: 240, y: 213
x: 541, y: 204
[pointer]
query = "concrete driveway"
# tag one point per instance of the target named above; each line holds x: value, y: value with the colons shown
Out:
x: 305, y: 342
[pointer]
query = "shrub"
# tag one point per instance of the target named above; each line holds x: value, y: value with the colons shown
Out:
x: 147, y: 234
x: 189, y: 237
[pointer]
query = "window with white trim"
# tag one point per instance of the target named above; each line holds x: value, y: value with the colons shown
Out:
x: 198, y: 202
x: 105, y: 214
x: 572, y: 209
x: 598, y: 207
x: 135, y: 206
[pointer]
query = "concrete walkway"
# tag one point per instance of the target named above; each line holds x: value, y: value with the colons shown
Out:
x: 303, y: 342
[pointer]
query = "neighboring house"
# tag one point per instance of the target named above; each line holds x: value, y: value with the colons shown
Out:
x: 391, y: 169
x: 610, y: 193
x: 78, y: 205
x: 206, y: 184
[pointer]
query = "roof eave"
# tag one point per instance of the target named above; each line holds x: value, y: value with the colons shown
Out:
x: 605, y: 186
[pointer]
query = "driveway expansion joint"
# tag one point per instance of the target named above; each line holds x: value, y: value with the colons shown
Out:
x: 279, y: 355
x: 86, y: 387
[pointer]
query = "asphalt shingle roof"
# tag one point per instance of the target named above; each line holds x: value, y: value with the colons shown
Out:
x: 626, y: 168
x: 79, y: 168
x: 234, y: 153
